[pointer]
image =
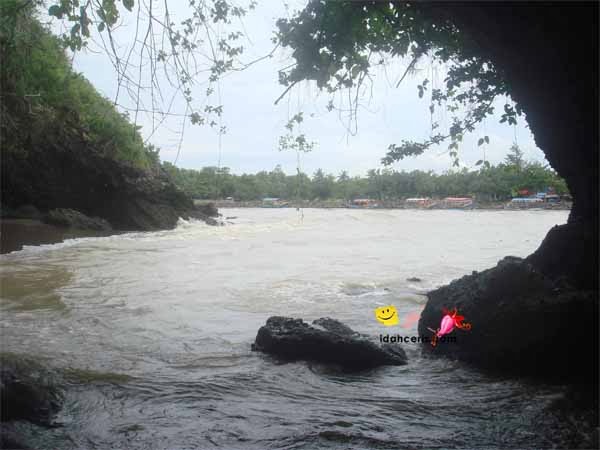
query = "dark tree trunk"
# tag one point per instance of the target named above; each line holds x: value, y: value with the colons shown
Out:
x: 548, y: 54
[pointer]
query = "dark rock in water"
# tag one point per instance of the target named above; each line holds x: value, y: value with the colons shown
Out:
x: 200, y: 212
x: 523, y: 322
x: 326, y: 340
x: 208, y: 209
x: 10, y: 439
x: 74, y: 219
x: 414, y: 279
x: 28, y: 391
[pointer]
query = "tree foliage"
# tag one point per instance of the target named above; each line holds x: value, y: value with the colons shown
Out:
x: 168, y: 59
x: 499, y: 182
x: 338, y: 43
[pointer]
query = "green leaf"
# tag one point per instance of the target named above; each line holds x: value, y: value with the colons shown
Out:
x: 480, y: 142
x: 128, y: 4
x: 480, y: 162
x: 55, y: 11
x: 487, y: 139
x: 101, y: 27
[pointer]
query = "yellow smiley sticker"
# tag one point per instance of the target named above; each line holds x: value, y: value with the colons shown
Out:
x: 387, y: 315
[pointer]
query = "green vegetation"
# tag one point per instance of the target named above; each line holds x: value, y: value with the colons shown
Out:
x: 40, y: 89
x: 498, y: 182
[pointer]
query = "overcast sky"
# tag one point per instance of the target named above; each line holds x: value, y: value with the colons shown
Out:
x: 254, y: 123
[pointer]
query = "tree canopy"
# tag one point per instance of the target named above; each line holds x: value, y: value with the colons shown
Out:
x: 338, y: 43
x: 335, y: 43
x: 499, y: 182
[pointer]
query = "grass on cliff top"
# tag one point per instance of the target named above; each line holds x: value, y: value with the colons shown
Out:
x: 40, y: 88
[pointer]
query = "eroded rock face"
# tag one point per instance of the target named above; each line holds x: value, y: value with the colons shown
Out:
x: 65, y: 217
x: 569, y: 252
x: 523, y: 322
x: 53, y: 169
x: 326, y: 340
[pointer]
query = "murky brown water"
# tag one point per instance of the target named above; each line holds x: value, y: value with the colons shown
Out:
x: 157, y: 328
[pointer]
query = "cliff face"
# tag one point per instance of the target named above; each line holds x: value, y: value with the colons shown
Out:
x: 63, y: 169
x: 538, y: 315
x: 65, y: 147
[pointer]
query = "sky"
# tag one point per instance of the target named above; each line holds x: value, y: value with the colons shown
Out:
x: 254, y: 124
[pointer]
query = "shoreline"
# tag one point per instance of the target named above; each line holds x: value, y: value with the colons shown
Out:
x: 15, y: 233
x: 18, y: 233
x: 488, y: 206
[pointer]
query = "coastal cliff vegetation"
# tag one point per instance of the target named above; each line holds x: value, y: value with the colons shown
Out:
x: 66, y: 149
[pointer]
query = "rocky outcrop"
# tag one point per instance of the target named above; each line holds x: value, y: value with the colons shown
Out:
x: 327, y: 341
x: 63, y: 169
x: 207, y: 209
x: 65, y: 217
x: 569, y: 252
x: 523, y: 322
x: 538, y: 315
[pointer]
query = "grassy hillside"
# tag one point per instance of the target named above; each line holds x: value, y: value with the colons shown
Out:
x: 40, y: 88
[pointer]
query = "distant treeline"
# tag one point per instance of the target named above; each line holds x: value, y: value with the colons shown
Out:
x: 499, y: 182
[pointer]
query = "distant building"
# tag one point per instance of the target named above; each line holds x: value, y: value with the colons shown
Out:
x: 458, y: 202
x: 364, y: 203
x: 273, y: 202
x: 418, y: 201
x: 552, y: 198
x: 526, y: 200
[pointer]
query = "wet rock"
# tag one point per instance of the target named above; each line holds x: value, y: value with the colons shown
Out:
x: 74, y: 219
x: 208, y: 209
x: 28, y: 390
x: 11, y: 440
x: 326, y: 340
x: 414, y: 279
x: 523, y: 322
x: 200, y: 212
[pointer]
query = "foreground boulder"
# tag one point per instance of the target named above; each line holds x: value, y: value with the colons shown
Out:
x: 326, y: 340
x: 523, y: 322
x: 28, y: 391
